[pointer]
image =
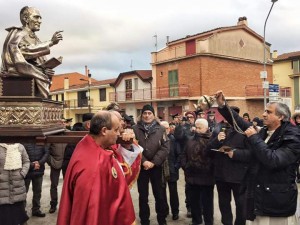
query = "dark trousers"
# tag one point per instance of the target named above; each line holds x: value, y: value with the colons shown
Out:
x: 54, y: 178
x: 36, y: 190
x: 202, y: 200
x: 174, y: 199
x: 224, y: 194
x: 153, y: 175
x: 187, y: 196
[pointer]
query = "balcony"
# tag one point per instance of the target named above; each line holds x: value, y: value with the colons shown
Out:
x: 147, y: 94
x: 77, y: 103
x: 256, y: 91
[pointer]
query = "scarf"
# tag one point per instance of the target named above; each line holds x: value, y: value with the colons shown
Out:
x: 13, y: 159
x: 149, y: 126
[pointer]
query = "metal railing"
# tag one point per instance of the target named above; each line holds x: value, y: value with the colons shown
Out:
x: 257, y: 91
x: 77, y: 103
x: 180, y: 91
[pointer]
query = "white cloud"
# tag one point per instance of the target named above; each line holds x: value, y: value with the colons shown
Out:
x: 108, y: 35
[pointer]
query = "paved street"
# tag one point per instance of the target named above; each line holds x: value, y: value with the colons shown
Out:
x: 50, y: 219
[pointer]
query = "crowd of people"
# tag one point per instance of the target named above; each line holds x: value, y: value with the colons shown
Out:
x: 255, y: 161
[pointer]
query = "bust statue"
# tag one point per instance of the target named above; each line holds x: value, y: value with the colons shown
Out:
x: 24, y: 54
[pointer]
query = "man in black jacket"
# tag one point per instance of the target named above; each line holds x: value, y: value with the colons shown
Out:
x: 37, y: 155
x: 182, y: 134
x: 174, y: 165
x: 230, y: 167
x: 153, y: 138
x: 271, y: 191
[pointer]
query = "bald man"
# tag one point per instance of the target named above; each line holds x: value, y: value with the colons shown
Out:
x: 95, y: 190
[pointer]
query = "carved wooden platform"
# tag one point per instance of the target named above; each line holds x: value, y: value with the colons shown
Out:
x: 27, y: 118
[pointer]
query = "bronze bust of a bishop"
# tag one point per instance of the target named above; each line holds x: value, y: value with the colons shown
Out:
x: 24, y: 55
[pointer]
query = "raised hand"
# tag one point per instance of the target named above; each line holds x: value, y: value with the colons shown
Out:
x: 57, y: 36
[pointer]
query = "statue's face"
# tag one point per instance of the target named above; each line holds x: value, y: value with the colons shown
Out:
x: 34, y: 20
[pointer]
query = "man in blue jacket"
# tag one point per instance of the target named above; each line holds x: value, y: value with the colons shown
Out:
x: 37, y: 155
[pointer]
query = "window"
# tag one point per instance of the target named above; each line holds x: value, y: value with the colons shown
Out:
x: 56, y: 97
x: 295, y: 66
x: 190, y: 47
x: 102, y: 93
x: 62, y: 97
x: 173, y: 83
x: 136, y: 83
x: 82, y: 98
x: 128, y: 89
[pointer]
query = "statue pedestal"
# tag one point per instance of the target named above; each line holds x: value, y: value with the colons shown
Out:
x: 29, y: 117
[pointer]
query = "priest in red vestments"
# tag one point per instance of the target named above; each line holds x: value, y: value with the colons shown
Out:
x: 95, y: 191
x: 128, y: 151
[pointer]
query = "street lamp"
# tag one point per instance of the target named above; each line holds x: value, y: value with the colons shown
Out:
x: 89, y: 90
x: 264, y: 73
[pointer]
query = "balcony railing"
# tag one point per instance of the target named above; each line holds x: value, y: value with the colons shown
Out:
x: 256, y: 91
x: 180, y: 91
x: 77, y: 103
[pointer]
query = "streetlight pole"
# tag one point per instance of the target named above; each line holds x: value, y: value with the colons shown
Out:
x: 264, y: 74
x: 89, y: 90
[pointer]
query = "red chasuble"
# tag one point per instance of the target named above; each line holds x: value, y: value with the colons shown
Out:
x: 132, y: 171
x: 95, y: 191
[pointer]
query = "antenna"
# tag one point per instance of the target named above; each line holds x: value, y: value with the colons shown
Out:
x: 155, y: 45
x: 131, y: 64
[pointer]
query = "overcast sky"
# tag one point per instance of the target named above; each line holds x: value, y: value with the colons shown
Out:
x: 108, y: 35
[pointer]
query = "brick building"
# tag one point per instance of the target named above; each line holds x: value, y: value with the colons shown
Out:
x: 225, y: 58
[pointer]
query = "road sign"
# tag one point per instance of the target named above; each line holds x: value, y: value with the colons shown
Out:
x: 274, y: 92
x: 273, y: 99
x: 273, y: 87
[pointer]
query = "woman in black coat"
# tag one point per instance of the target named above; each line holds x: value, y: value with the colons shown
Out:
x: 198, y: 169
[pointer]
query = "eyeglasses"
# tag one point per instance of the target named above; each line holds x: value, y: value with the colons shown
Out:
x: 189, y: 117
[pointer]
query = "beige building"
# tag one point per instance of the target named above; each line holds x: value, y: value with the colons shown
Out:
x: 80, y: 94
x: 286, y: 72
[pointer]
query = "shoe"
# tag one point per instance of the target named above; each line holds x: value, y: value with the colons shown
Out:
x: 38, y: 214
x: 189, y: 214
x: 175, y: 217
x: 52, y: 210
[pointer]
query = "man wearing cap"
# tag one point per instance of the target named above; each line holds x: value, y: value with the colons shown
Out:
x: 175, y: 118
x: 211, y: 120
x: 182, y: 134
x: 153, y: 138
x: 200, y: 114
x: 68, y: 123
x: 86, y: 120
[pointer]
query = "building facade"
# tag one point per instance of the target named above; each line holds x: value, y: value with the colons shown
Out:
x: 80, y: 94
x: 226, y: 58
x: 286, y: 70
x: 132, y: 90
